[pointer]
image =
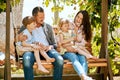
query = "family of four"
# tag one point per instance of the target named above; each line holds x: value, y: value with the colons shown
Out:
x: 37, y: 37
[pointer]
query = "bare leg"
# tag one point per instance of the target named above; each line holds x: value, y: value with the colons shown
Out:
x: 40, y: 66
x: 48, y: 59
x: 86, y: 53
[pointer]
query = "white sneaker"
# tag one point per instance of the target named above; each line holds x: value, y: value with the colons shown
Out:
x: 88, y: 78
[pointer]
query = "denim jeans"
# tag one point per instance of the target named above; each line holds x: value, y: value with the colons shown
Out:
x: 58, y: 64
x: 28, y: 61
x: 78, y: 61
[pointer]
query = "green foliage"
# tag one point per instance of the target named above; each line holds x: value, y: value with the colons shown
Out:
x: 94, y: 8
x: 57, y: 8
x: 3, y: 4
x: 15, y: 2
x: 114, y: 25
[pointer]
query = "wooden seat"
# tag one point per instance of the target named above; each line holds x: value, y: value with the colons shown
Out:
x: 68, y: 64
x: 68, y: 68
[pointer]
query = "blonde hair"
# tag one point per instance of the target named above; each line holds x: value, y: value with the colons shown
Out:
x: 28, y: 20
x: 62, y: 21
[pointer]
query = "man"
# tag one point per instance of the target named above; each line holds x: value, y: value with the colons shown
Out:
x: 43, y: 34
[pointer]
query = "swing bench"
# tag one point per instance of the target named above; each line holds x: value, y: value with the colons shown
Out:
x: 68, y: 71
x: 103, y: 63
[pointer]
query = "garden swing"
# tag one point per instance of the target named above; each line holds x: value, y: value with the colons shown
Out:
x: 102, y: 62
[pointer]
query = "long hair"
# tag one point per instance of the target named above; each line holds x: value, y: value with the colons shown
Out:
x: 86, y: 25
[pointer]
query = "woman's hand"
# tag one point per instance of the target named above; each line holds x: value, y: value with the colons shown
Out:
x: 70, y: 49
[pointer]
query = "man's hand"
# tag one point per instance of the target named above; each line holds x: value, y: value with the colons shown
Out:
x: 22, y: 37
x: 49, y: 48
x: 36, y: 47
x: 42, y: 47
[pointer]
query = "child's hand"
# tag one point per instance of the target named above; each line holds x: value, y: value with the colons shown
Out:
x: 75, y: 38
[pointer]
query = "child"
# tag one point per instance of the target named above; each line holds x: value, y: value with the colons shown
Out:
x: 30, y: 45
x: 72, y: 41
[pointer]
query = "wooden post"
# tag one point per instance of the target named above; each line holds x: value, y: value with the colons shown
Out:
x: 104, y: 46
x: 104, y: 30
x: 7, y: 69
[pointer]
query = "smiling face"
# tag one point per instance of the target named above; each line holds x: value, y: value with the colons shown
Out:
x: 78, y: 19
x: 31, y: 26
x: 39, y: 18
x: 29, y: 22
x: 65, y: 27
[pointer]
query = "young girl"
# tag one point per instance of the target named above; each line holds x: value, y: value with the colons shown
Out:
x: 30, y: 45
x: 72, y: 40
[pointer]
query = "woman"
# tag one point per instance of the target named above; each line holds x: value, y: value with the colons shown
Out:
x: 79, y: 61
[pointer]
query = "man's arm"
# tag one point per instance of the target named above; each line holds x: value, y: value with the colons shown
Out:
x: 51, y: 36
x: 21, y: 29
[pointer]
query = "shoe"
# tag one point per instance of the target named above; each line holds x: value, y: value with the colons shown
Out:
x: 88, y: 78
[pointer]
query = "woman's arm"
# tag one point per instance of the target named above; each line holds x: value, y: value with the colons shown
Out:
x: 65, y: 41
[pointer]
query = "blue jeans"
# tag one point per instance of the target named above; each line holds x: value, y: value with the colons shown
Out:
x: 78, y: 61
x: 28, y: 61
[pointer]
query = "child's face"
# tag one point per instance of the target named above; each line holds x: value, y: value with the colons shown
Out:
x: 32, y: 26
x: 65, y: 27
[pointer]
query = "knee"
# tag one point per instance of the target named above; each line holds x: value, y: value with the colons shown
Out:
x: 28, y: 61
x: 71, y: 56
x: 83, y: 59
x: 59, y: 60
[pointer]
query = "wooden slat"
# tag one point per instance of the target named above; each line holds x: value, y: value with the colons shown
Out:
x: 97, y: 65
x: 68, y: 68
x: 64, y: 77
x: 68, y: 64
x: 98, y: 60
